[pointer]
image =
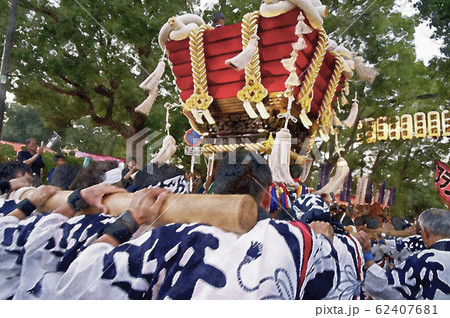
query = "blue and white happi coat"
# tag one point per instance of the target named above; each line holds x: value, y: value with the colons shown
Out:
x: 39, y: 244
x: 312, y: 207
x: 351, y: 265
x: 396, y: 250
x: 54, y: 244
x: 423, y: 275
x: 195, y: 261
x: 13, y: 237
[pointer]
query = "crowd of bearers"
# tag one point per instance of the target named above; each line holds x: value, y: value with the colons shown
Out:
x: 302, y: 254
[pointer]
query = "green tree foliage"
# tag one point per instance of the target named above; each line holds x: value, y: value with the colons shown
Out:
x: 24, y: 122
x: 7, y: 153
x: 380, y: 34
x: 436, y: 14
x: 78, y: 58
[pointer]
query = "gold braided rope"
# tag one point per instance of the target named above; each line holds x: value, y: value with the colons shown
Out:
x: 253, y: 90
x: 261, y: 147
x: 325, y: 107
x: 200, y: 98
x: 313, y: 130
x: 313, y: 70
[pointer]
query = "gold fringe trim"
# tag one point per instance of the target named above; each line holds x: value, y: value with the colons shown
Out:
x: 262, y: 147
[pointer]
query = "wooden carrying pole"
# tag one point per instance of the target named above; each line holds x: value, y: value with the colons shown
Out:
x: 232, y: 213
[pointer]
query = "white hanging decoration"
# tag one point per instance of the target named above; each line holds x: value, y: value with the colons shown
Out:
x: 347, y: 88
x: 151, y: 82
x: 324, y: 134
x: 301, y: 27
x: 249, y: 109
x: 262, y: 110
x: 240, y: 61
x: 337, y: 180
x: 292, y: 80
x: 335, y: 120
x: 305, y: 119
x: 350, y: 121
x: 344, y: 100
x: 365, y: 73
x: 280, y: 157
x: 178, y: 28
x: 147, y: 104
x: 289, y: 63
x: 169, y: 145
x: 167, y: 150
x: 197, y: 116
x: 208, y: 117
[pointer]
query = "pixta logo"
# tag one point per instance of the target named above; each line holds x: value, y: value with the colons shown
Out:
x: 143, y: 145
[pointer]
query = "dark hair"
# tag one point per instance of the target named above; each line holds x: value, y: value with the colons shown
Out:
x: 9, y: 170
x: 398, y: 223
x: 92, y: 174
x: 63, y: 176
x: 28, y: 140
x: 216, y: 16
x: 57, y: 157
x: 242, y: 172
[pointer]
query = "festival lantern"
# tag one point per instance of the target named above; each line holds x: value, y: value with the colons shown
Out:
x: 382, y: 128
x: 434, y: 124
x: 420, y: 125
x: 394, y: 128
x: 407, y: 126
x: 446, y: 123
x: 371, y: 130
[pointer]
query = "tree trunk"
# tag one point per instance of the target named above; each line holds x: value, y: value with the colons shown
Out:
x: 6, y: 60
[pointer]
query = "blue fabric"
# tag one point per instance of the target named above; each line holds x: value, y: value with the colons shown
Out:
x: 8, y: 207
x: 311, y: 207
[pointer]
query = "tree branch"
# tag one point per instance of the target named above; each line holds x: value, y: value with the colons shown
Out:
x: 28, y: 5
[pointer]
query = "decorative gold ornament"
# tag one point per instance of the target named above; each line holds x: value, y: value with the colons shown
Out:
x: 306, y: 90
x: 253, y: 90
x: 325, y: 107
x: 200, y: 99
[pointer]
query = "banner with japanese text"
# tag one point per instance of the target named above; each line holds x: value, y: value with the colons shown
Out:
x: 442, y: 182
